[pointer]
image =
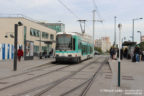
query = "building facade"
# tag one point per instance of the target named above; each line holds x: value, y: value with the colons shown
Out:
x: 103, y: 43
x: 58, y: 27
x: 142, y: 38
x: 32, y: 37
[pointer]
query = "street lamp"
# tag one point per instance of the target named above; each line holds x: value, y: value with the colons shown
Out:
x: 140, y: 36
x: 115, y: 30
x: 120, y: 27
x: 15, y: 44
x: 133, y: 27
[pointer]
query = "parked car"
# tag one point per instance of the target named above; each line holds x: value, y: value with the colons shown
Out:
x: 96, y: 53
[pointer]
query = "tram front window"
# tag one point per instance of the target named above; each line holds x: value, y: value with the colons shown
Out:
x: 64, y: 42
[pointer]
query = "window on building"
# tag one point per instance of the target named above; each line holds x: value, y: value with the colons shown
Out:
x: 37, y: 33
x: 52, y: 37
x: 31, y: 32
x: 45, y: 35
x: 34, y: 32
x: 36, y: 49
x: 44, y: 48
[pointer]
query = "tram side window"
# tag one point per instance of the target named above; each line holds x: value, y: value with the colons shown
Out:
x: 79, y: 44
x: 88, y: 49
x: 73, y: 43
x: 91, y: 50
x: 85, y: 47
x: 82, y: 49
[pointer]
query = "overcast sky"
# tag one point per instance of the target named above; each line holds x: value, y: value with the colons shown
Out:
x: 53, y: 11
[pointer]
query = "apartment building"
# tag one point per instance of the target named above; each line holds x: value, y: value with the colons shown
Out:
x: 103, y: 43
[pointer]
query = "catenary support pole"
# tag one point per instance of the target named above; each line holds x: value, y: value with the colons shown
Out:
x: 93, y: 29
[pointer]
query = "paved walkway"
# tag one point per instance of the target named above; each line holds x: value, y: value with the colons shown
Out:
x: 132, y: 78
x: 6, y: 66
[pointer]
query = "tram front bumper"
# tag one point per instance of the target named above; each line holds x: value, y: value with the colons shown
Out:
x: 63, y: 58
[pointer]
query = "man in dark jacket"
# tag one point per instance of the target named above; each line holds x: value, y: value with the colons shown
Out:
x: 137, y: 53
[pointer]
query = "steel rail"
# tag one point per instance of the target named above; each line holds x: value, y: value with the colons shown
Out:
x: 57, y: 82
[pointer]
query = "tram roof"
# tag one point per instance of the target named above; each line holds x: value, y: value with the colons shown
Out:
x: 70, y: 33
x: 74, y: 33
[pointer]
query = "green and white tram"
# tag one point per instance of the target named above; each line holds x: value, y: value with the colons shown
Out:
x: 73, y: 47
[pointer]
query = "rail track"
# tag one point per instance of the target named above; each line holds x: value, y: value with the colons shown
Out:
x: 12, y: 85
x: 89, y: 82
x: 32, y: 78
x: 29, y: 70
x: 53, y: 84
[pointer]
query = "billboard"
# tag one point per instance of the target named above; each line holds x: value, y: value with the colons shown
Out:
x: 29, y: 45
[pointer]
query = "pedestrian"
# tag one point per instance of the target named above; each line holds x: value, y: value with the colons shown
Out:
x: 143, y: 55
x: 137, y: 53
x: 126, y: 52
x: 20, y: 53
x: 45, y: 54
x: 115, y: 53
x: 51, y: 53
x: 111, y: 52
x: 121, y: 53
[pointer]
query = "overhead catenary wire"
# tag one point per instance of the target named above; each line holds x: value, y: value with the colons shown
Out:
x: 64, y: 5
x: 96, y: 8
x: 68, y: 9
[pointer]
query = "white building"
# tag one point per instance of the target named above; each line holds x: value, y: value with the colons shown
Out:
x: 103, y: 43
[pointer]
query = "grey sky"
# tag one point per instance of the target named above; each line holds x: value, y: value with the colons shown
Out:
x: 53, y: 11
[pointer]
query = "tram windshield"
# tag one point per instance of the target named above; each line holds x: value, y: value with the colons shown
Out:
x: 64, y: 42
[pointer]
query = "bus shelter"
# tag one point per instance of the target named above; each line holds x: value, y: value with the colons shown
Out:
x: 130, y: 47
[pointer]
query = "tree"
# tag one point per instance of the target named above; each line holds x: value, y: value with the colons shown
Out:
x: 98, y: 49
x: 141, y: 46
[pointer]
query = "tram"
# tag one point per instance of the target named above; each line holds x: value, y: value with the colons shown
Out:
x: 73, y: 46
